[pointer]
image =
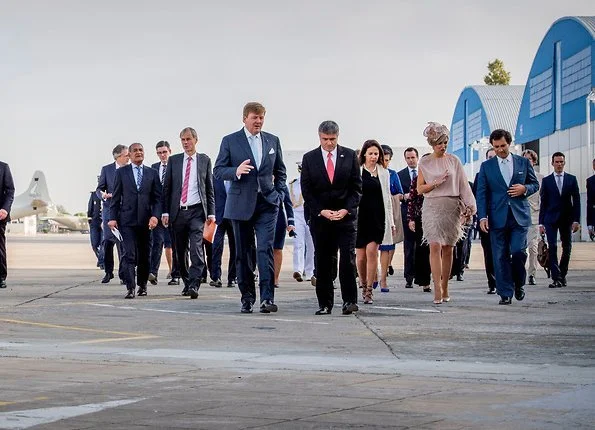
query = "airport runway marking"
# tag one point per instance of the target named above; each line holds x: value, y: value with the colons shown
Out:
x: 16, y: 402
x: 169, y: 311
x: 124, y: 335
x: 395, y: 308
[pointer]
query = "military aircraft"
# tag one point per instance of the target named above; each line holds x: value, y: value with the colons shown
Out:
x: 35, y: 201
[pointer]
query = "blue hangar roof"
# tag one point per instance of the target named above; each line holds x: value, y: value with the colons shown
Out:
x: 562, y: 74
x: 480, y: 110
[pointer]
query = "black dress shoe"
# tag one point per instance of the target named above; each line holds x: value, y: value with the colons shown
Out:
x: 391, y: 271
x: 230, y: 285
x: 323, y: 311
x: 2, y: 283
x: 246, y: 308
x: 185, y: 291
x: 130, y: 294
x: 142, y: 291
x: 203, y: 280
x: 409, y: 285
x: 108, y: 277
x: 216, y: 283
x: 193, y: 292
x: 460, y: 277
x: 267, y: 306
x: 491, y: 290
x: 505, y: 301
x: 531, y: 280
x: 555, y: 284
x: 519, y: 293
x: 349, y: 308
x: 174, y: 281
x: 563, y: 281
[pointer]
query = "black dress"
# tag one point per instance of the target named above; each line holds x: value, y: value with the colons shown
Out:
x: 370, y: 216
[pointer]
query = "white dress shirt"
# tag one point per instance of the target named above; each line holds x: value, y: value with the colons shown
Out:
x: 333, y: 157
x: 193, y: 195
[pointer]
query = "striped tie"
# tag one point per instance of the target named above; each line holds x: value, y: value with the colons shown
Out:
x: 184, y: 198
x: 163, y: 173
x: 139, y: 176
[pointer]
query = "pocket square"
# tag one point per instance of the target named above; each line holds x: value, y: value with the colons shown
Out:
x: 272, y: 151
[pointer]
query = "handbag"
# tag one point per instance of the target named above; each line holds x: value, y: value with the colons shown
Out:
x: 543, y: 257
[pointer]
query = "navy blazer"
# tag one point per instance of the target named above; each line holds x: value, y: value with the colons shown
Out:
x: 94, y: 209
x: 6, y: 190
x: 344, y: 192
x: 131, y: 207
x: 591, y: 200
x: 405, y: 179
x: 220, y: 199
x: 565, y: 207
x: 172, y: 185
x: 270, y: 176
x: 492, y: 198
x: 106, y: 183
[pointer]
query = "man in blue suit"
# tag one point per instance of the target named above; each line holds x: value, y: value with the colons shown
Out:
x: 6, y: 199
x: 503, y: 184
x: 94, y: 211
x: 135, y: 209
x: 560, y: 211
x: 591, y: 204
x: 253, y: 163
x: 224, y: 226
x: 105, y: 189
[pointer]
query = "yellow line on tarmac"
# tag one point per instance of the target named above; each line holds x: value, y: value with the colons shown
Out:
x: 5, y: 403
x: 128, y: 335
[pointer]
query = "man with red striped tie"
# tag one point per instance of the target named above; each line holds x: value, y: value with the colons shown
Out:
x: 189, y: 202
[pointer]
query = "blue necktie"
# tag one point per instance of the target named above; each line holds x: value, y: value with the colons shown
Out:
x: 139, y: 177
x: 253, y: 140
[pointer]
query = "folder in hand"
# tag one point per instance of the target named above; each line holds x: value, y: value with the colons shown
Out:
x: 208, y: 232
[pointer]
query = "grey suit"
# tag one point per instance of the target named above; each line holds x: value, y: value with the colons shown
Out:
x: 188, y: 222
x: 6, y: 199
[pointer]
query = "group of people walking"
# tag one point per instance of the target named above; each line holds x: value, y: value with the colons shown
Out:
x: 348, y: 208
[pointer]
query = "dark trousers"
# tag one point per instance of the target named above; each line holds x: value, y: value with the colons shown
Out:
x: 509, y: 249
x: 262, y: 225
x: 409, y: 244
x: 109, y: 241
x: 188, y: 228
x: 460, y: 255
x: 96, y: 237
x: 3, y: 267
x: 422, y: 257
x: 136, y: 255
x: 157, y: 239
x: 332, y: 237
x: 225, y: 227
x: 488, y: 260
x: 559, y: 270
x: 208, y: 252
x: 175, y: 271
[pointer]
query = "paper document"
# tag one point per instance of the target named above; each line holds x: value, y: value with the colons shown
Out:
x: 117, y: 234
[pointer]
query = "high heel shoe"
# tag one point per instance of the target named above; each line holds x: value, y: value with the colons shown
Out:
x: 437, y: 302
x: 368, y: 295
x: 446, y: 299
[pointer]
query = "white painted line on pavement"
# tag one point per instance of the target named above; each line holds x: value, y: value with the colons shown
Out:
x: 33, y: 417
x: 394, y: 308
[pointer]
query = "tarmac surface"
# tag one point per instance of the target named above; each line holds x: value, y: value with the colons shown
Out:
x: 75, y: 355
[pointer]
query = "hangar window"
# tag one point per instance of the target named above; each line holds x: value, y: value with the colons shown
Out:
x: 576, y: 75
x: 457, y: 135
x: 540, y: 93
x: 474, y: 126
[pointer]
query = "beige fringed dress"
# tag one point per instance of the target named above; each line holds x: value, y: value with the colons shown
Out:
x: 444, y: 205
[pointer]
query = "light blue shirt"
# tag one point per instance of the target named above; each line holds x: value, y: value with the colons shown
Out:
x: 255, y: 142
x: 506, y: 168
x: 137, y: 170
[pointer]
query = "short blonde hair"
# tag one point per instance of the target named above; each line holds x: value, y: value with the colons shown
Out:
x: 254, y: 107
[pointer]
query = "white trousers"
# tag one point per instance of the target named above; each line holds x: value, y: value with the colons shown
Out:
x: 532, y: 242
x: 303, y: 247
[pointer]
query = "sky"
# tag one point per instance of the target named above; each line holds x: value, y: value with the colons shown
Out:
x: 79, y: 77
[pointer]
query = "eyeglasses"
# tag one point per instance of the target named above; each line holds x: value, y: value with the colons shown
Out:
x: 162, y: 152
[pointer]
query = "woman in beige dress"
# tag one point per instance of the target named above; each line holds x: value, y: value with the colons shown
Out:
x: 448, y: 201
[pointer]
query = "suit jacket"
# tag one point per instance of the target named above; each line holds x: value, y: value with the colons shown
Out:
x: 405, y: 179
x: 106, y: 183
x: 220, y: 199
x: 493, y: 200
x: 343, y: 193
x: 565, y: 207
x: 172, y: 185
x: 131, y: 207
x: 269, y: 177
x: 591, y: 200
x: 6, y: 190
x: 94, y: 209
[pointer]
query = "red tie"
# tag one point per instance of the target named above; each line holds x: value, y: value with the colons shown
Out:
x: 186, y: 180
x: 330, y: 167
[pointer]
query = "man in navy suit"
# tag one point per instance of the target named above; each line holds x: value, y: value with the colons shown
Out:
x: 135, y: 210
x: 406, y: 177
x: 591, y: 204
x: 503, y: 184
x: 105, y: 189
x: 224, y: 226
x: 252, y: 161
x: 160, y: 236
x: 189, y: 203
x: 332, y: 188
x: 94, y: 211
x: 559, y: 212
x: 6, y: 199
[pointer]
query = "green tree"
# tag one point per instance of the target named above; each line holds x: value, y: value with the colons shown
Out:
x: 497, y: 74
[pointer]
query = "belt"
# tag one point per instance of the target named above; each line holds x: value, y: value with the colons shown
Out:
x: 185, y: 208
